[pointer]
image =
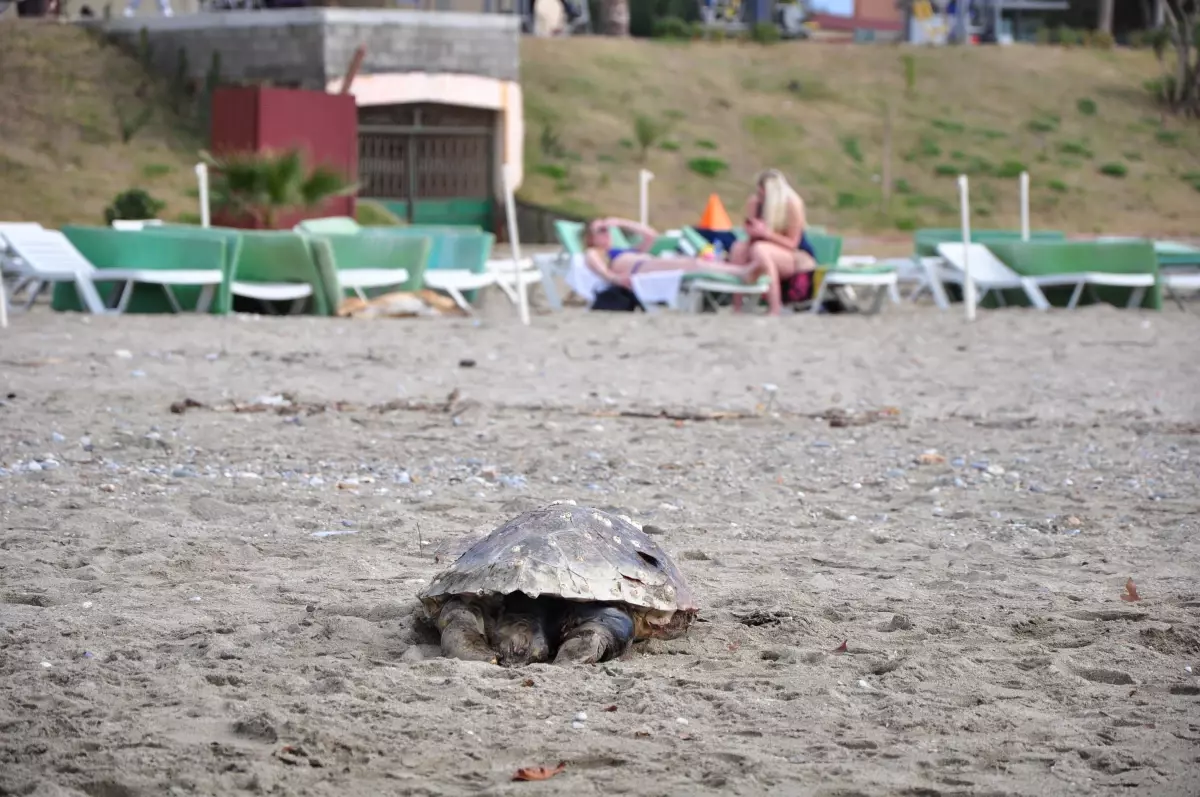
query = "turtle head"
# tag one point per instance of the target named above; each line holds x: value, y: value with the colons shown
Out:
x: 519, y: 636
x: 652, y: 624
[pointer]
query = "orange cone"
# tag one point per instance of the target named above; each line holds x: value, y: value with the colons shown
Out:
x: 714, y: 216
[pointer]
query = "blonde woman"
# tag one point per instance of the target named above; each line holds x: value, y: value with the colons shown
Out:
x: 776, y: 246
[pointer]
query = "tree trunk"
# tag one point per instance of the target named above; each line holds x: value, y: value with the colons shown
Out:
x: 1104, y: 23
x: 616, y: 17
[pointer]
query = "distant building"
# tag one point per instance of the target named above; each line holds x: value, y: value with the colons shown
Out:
x: 877, y: 16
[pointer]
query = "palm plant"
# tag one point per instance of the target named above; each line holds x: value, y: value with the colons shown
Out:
x: 262, y: 185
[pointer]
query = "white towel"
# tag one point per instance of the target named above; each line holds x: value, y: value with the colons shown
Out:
x: 653, y: 287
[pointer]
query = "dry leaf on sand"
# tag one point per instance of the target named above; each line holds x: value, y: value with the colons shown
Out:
x: 539, y: 773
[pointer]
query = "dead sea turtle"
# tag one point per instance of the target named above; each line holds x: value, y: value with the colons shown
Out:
x: 562, y: 582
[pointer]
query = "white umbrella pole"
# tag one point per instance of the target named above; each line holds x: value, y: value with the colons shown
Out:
x: 3, y: 304
x: 510, y: 207
x: 1024, y: 206
x: 202, y: 179
x: 644, y: 178
x: 964, y: 202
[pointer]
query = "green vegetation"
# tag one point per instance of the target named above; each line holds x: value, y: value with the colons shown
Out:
x: 817, y: 113
x: 264, y: 185
x: 82, y: 122
x: 135, y: 203
x: 369, y: 213
x: 707, y: 166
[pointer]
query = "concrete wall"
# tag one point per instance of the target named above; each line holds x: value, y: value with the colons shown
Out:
x: 308, y: 47
x: 487, y: 45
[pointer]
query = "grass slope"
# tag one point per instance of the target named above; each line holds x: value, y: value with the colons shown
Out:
x: 62, y: 158
x: 817, y: 112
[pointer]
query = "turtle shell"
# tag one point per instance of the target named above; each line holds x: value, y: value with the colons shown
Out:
x: 571, y: 552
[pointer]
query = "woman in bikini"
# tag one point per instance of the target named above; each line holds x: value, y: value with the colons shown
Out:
x: 776, y: 247
x: 617, y: 265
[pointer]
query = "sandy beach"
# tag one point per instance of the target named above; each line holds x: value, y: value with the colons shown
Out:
x: 910, y: 538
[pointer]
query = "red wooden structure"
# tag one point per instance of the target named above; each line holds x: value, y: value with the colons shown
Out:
x: 256, y: 119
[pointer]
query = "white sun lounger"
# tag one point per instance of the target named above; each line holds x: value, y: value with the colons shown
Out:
x: 507, y: 281
x: 454, y: 281
x: 12, y: 267
x: 989, y: 273
x: 50, y: 257
x: 1176, y: 283
x: 135, y: 224
x: 360, y: 280
x: 861, y: 272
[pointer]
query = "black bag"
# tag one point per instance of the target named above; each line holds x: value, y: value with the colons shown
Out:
x: 618, y: 299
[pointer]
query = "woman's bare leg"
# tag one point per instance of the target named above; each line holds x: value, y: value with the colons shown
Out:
x: 778, y: 264
x: 739, y: 253
x: 625, y: 265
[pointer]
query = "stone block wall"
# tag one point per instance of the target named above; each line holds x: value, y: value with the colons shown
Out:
x: 308, y: 47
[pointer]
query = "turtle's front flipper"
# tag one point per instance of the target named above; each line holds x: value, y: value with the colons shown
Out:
x: 463, y: 636
x: 520, y: 634
x: 594, y: 633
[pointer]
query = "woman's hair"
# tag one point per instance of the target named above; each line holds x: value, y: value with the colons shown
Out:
x: 777, y: 194
x: 589, y: 232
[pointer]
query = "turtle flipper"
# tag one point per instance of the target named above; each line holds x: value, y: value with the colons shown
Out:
x: 594, y: 633
x: 463, y: 636
x: 520, y: 635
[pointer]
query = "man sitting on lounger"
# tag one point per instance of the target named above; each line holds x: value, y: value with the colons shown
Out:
x: 617, y: 265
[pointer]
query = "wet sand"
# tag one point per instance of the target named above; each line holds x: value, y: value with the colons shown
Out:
x: 961, y: 506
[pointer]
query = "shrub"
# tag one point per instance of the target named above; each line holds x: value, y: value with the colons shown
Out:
x: 848, y: 200
x: 647, y: 131
x: 851, y: 147
x: 152, y: 170
x: 129, y: 123
x: 549, y: 141
x: 910, y: 72
x: 1043, y: 124
x: 765, y: 33
x: 672, y: 28
x: 133, y: 204
x: 707, y: 166
x: 1010, y: 169
x: 1102, y: 40
x: 369, y: 213
x: 704, y: 143
x: 1086, y: 106
x: 1114, y: 170
x: 1069, y: 37
x: 552, y: 170
x: 977, y: 166
x: 928, y: 147
x: 1074, y: 148
x: 1162, y: 88
x: 946, y: 170
x: 1057, y: 186
x: 1167, y: 137
x: 948, y: 126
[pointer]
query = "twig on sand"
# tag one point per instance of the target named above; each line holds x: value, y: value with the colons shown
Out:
x: 455, y: 403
